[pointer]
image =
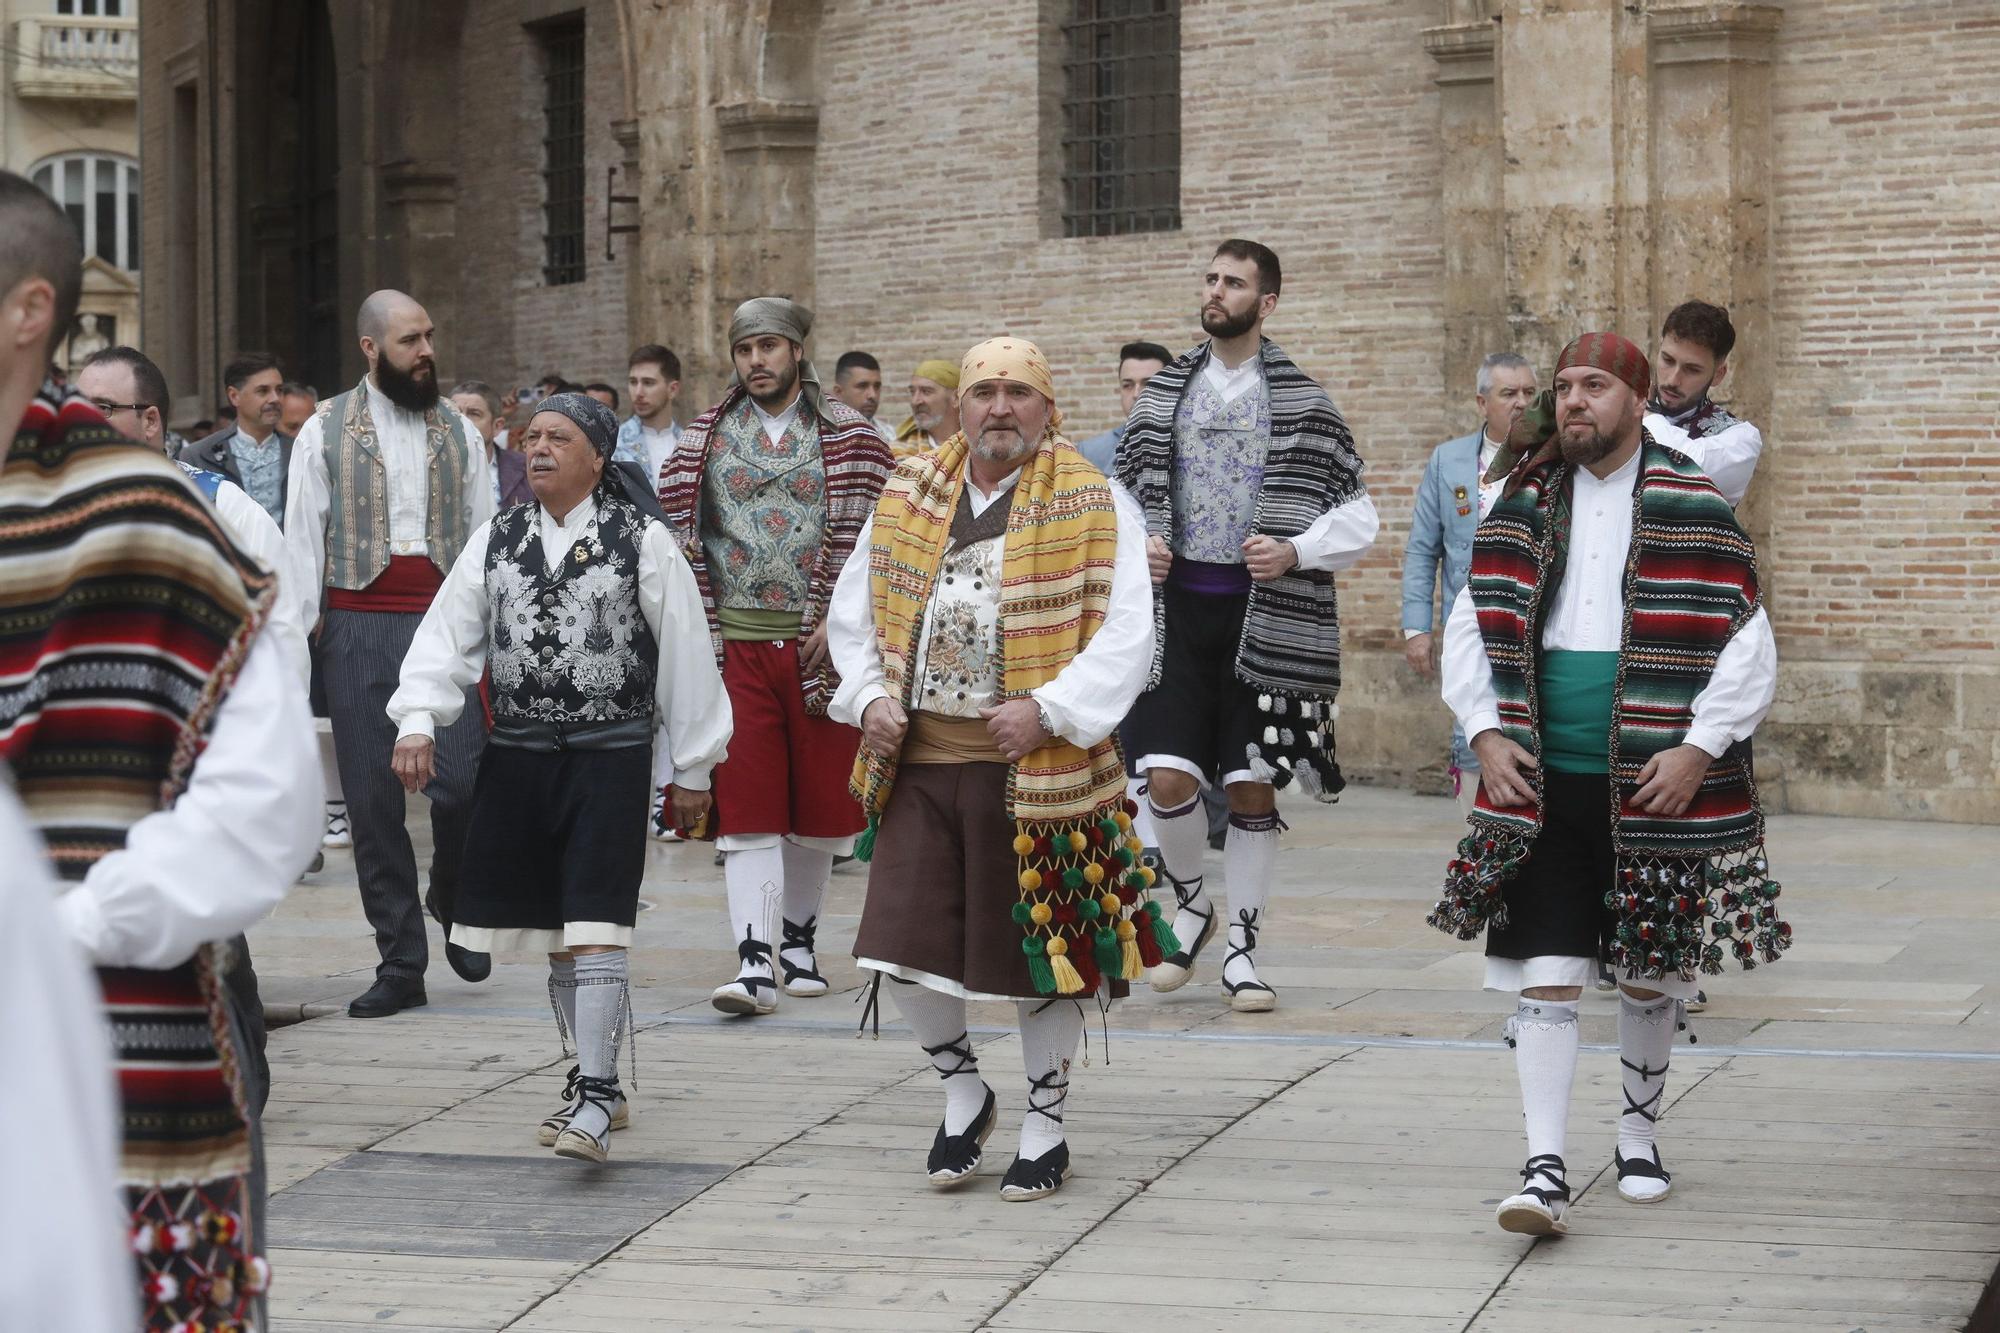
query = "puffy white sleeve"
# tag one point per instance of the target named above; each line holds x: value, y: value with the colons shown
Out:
x: 308, y: 497
x: 449, y: 650
x: 1339, y: 537
x: 251, y: 528
x: 850, y: 636
x: 478, y: 476
x: 694, y: 720
x: 1465, y: 673
x: 1091, y: 696
x: 1739, y: 692
x: 222, y: 857
x: 1729, y: 458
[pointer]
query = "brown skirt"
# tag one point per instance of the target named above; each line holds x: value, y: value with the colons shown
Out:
x: 942, y: 886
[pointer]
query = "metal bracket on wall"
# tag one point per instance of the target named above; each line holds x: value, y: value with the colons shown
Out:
x: 610, y: 200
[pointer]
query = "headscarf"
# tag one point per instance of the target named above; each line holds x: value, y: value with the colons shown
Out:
x: 1009, y: 358
x: 1528, y: 443
x: 938, y: 372
x: 789, y: 320
x: 597, y: 422
x: 1615, y: 355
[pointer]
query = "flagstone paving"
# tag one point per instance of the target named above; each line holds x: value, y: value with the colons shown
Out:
x: 1834, y: 1135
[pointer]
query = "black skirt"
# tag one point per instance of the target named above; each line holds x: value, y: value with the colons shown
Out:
x: 1200, y: 711
x: 555, y: 839
x: 1556, y: 904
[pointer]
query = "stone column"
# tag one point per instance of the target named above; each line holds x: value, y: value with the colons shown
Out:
x: 1475, y: 260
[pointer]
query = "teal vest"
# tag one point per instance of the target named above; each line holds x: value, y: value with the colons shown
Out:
x: 357, y: 529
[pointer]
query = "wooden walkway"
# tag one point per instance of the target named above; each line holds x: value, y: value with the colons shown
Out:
x: 1334, y: 1167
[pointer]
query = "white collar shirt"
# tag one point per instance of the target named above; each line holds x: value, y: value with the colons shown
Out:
x: 1229, y: 385
x: 1589, y: 611
x: 776, y: 426
x: 399, y: 434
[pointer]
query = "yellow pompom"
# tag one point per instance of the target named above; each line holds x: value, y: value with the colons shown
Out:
x: 1126, y: 930
x: 1031, y: 880
x: 1147, y: 871
x: 1040, y: 914
x: 1078, y: 840
x: 1133, y: 841
x: 1023, y: 844
x: 1109, y: 902
x: 1093, y: 873
x: 1124, y: 821
x: 1057, y: 946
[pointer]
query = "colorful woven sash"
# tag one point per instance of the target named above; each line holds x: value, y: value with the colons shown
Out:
x: 1081, y: 905
x: 1690, y: 585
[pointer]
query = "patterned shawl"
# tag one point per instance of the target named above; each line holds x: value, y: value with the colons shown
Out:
x: 1690, y: 585
x: 1081, y: 883
x: 127, y: 614
x: 856, y: 462
x: 1290, y: 648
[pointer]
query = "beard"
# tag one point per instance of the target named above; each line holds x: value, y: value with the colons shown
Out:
x: 413, y: 390
x: 1002, y: 444
x: 782, y: 382
x: 1221, y: 324
x: 1583, y: 450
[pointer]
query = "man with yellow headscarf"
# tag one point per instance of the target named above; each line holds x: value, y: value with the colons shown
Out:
x: 1004, y: 863
x: 933, y: 415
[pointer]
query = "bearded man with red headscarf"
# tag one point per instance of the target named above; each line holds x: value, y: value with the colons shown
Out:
x: 1610, y: 658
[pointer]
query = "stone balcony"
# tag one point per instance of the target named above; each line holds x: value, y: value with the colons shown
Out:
x: 76, y: 58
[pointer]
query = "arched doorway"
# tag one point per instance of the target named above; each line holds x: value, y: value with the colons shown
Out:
x: 316, y: 335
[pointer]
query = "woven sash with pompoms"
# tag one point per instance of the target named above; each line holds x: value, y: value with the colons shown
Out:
x: 1081, y: 909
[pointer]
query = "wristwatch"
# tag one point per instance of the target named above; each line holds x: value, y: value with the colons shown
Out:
x: 1042, y: 716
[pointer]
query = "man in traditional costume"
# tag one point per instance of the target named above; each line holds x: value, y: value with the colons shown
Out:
x: 592, y: 626
x: 1004, y: 863
x: 1609, y: 659
x: 766, y: 495
x: 1695, y: 341
x: 161, y: 746
x: 388, y: 480
x: 933, y: 415
x: 1253, y: 499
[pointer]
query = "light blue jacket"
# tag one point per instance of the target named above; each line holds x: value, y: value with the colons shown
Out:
x: 1441, y: 530
x: 1103, y: 449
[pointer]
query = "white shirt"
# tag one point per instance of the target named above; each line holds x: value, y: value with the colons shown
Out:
x: 1729, y: 457
x: 1589, y: 616
x: 251, y: 528
x: 1087, y: 699
x: 885, y: 430
x: 1339, y: 537
x: 222, y: 856
x: 659, y: 446
x: 400, y: 437
x: 692, y: 722
x: 1229, y: 385
x: 67, y: 1266
x: 775, y: 426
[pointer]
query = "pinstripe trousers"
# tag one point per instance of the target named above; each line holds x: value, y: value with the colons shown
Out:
x: 362, y: 655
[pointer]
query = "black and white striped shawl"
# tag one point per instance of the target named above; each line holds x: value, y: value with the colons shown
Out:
x: 1290, y: 648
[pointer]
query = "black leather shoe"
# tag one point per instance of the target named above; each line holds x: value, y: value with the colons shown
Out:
x: 388, y: 995
x: 469, y: 965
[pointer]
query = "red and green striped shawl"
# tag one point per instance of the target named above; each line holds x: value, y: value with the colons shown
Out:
x: 1690, y: 886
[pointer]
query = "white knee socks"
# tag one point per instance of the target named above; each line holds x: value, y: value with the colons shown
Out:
x: 1545, y: 1042
x: 1645, y: 1041
x: 562, y: 995
x: 1182, y: 831
x: 938, y: 1020
x: 1248, y: 855
x: 1050, y: 1032
x: 754, y: 878
x: 603, y: 1005
x: 806, y: 869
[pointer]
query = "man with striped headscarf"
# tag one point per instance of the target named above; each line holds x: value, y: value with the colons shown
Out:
x: 1004, y: 863
x: 1609, y: 657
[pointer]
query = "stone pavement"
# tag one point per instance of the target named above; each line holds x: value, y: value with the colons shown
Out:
x: 1834, y: 1136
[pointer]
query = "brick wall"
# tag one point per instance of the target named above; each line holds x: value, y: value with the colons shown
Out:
x: 518, y: 327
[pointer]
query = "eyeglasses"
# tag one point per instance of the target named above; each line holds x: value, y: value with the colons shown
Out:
x: 108, y: 407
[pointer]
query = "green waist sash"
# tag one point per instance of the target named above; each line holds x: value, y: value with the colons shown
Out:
x: 754, y: 624
x: 1578, y: 691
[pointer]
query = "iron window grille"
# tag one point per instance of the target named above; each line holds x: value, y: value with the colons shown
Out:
x: 562, y: 152
x: 1121, y: 142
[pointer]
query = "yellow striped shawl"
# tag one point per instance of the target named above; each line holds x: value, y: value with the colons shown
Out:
x: 1074, y: 839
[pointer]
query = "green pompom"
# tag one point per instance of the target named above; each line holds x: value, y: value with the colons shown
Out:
x: 1110, y: 959
x: 1125, y: 857
x: 1072, y: 879
x: 1021, y: 914
x: 1032, y: 946
x: 1089, y: 910
x: 1135, y: 879
x: 1153, y: 910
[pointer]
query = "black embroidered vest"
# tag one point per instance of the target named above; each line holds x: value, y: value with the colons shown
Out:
x: 569, y: 645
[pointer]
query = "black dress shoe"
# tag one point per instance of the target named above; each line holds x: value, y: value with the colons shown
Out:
x: 469, y: 965
x: 388, y: 995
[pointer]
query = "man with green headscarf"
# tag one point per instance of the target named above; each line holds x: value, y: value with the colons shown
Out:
x: 933, y: 408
